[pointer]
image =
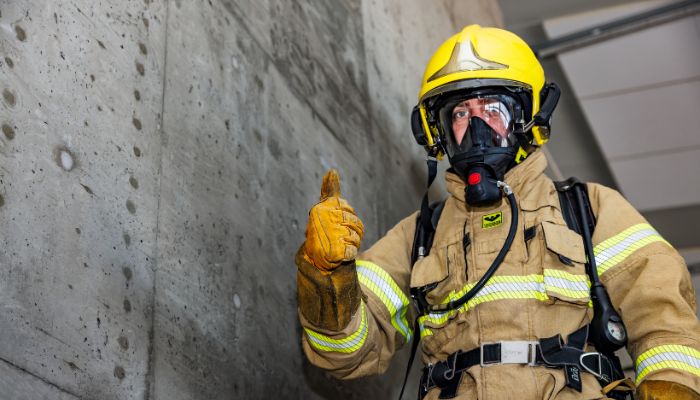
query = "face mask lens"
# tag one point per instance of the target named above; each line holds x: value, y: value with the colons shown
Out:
x: 496, y: 112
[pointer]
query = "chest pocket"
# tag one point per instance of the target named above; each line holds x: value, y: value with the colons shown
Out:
x: 431, y: 275
x: 438, y: 275
x: 563, y: 264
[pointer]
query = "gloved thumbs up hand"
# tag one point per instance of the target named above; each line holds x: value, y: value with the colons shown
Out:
x: 330, y: 187
x: 334, y: 232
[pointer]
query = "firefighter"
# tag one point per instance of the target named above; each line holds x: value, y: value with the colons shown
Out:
x: 517, y: 293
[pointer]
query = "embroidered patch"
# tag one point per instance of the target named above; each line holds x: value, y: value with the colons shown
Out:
x: 491, y: 220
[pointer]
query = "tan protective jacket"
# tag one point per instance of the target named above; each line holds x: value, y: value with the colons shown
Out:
x: 534, y: 294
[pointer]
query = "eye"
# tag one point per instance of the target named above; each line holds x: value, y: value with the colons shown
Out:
x: 459, y: 114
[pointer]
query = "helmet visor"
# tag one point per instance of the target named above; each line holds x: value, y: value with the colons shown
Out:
x: 495, y: 111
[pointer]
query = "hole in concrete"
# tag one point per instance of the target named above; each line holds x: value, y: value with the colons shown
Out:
x: 8, y: 131
x: 127, y: 273
x: 123, y: 342
x: 140, y: 68
x: 119, y: 372
x: 137, y: 123
x: 87, y: 188
x: 20, y: 33
x: 131, y: 206
x: 9, y: 97
x: 64, y: 158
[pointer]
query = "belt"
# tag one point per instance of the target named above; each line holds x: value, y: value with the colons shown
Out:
x: 549, y: 352
x: 445, y: 374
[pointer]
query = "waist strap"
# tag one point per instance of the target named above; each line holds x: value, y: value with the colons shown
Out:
x: 550, y: 352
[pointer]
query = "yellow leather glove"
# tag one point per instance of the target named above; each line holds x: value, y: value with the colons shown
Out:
x: 334, y: 231
x: 665, y: 390
x: 327, y: 287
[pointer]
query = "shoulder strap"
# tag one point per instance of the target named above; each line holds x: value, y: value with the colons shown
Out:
x: 569, y: 205
x: 425, y: 232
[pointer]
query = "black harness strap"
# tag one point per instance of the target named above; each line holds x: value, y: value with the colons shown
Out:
x: 567, y: 355
x: 422, y: 241
x: 550, y: 352
x: 568, y: 202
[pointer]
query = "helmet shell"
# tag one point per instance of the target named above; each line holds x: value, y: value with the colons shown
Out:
x: 478, y: 57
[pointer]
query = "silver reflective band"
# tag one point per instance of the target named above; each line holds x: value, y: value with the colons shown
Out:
x: 513, y: 352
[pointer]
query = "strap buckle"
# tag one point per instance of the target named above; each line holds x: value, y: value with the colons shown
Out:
x: 601, y: 375
x: 428, y: 384
x: 512, y: 352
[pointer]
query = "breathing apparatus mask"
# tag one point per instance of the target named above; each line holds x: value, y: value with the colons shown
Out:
x: 481, y: 140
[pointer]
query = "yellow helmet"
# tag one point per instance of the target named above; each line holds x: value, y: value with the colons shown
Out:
x: 479, y: 58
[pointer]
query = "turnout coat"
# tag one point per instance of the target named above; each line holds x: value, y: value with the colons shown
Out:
x: 541, y: 289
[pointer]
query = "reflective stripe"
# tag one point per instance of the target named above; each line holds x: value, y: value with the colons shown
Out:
x: 424, y: 331
x: 566, y: 284
x: 670, y: 356
x: 385, y: 288
x: 617, y: 248
x: 345, y: 345
x: 516, y: 287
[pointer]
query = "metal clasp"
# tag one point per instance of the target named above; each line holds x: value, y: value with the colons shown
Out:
x: 450, y: 373
x: 513, y: 352
x: 598, y: 374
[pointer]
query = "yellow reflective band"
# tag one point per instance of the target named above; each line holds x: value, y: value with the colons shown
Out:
x: 566, y: 284
x: 617, y: 248
x: 345, y: 345
x: 385, y: 288
x: 670, y: 356
x: 516, y: 287
x: 424, y: 331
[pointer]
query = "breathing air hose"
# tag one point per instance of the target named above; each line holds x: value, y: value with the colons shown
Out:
x: 455, y: 304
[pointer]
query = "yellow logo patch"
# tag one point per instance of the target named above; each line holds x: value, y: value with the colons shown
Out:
x: 491, y: 220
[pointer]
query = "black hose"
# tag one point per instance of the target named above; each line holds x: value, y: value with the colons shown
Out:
x: 604, y: 313
x: 588, y: 245
x: 455, y: 304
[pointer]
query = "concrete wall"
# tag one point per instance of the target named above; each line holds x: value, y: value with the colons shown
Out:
x: 157, y: 161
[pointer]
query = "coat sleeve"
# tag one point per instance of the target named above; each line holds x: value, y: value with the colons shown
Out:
x: 650, y: 286
x: 383, y: 321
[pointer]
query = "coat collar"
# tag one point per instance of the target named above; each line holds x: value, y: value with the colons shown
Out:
x: 519, y: 178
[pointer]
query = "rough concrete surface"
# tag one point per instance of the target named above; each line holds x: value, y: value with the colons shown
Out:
x: 157, y: 162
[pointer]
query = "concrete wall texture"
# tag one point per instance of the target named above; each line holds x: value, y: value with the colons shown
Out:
x: 157, y: 162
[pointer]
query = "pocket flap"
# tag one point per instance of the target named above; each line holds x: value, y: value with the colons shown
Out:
x: 429, y: 270
x: 562, y: 240
x: 572, y: 288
